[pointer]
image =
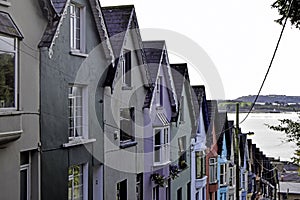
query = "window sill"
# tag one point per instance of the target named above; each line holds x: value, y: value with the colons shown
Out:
x: 5, y: 3
x: 5, y: 112
x: 212, y: 183
x: 159, y: 107
x: 125, y: 87
x: 161, y: 164
x: 124, y: 145
x: 78, y: 141
x: 77, y: 53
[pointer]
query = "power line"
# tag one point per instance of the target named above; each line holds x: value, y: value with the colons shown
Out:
x: 270, y: 65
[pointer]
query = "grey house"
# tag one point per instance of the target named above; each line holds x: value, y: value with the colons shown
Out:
x: 183, y: 127
x: 126, y: 85
x: 21, y: 27
x: 74, y: 58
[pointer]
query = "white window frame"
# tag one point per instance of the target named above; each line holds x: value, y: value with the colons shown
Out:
x: 84, y: 168
x: 16, y: 68
x: 200, y: 164
x: 84, y: 111
x: 126, y: 81
x: 82, y: 27
x: 27, y: 168
x: 181, y: 112
x: 223, y: 174
x: 132, y: 134
x: 213, y: 170
x: 164, y: 146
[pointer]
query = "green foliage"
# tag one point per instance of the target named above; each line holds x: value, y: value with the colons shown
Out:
x: 292, y: 131
x: 282, y: 6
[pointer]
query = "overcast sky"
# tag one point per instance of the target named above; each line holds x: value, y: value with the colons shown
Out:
x: 238, y: 36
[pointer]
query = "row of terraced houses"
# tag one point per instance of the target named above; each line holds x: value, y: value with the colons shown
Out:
x: 88, y: 110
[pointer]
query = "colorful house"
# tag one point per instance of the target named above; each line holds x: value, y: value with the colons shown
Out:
x: 198, y: 146
x: 160, y: 106
x: 181, y: 134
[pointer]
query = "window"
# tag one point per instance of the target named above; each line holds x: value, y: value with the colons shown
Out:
x: 181, y: 111
x: 159, y: 91
x: 77, y: 112
x: 77, y: 23
x: 188, y: 190
x: 25, y: 176
x: 161, y: 145
x: 155, y: 193
x: 139, y: 187
x: 223, y: 174
x: 77, y: 182
x: 182, y: 152
x: 125, y: 60
x: 200, y: 164
x: 244, y: 180
x: 8, y: 72
x: 212, y: 170
x: 122, y: 190
x: 127, y: 124
x: 179, y: 194
x: 231, y: 176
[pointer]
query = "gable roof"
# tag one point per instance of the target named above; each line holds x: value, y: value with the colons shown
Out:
x: 156, y: 56
x: 117, y: 19
x: 153, y: 53
x: 212, y: 116
x: 199, y: 100
x: 55, y: 11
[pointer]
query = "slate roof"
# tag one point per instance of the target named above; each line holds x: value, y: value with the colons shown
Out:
x: 153, y: 52
x: 212, y: 116
x: 199, y: 99
x: 117, y: 19
x: 156, y: 55
x: 59, y: 5
x: 222, y: 130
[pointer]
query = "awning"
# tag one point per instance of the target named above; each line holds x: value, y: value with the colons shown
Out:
x: 8, y: 26
x: 161, y: 120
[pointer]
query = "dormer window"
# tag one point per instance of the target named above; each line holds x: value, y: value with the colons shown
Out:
x: 77, y: 28
x: 125, y: 61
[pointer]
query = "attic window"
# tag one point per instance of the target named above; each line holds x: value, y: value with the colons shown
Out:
x: 77, y: 28
x: 125, y: 60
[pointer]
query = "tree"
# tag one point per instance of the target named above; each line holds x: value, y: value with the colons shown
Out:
x: 291, y: 129
x: 283, y: 6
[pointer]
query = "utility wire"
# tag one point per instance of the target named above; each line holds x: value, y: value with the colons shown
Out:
x: 270, y: 65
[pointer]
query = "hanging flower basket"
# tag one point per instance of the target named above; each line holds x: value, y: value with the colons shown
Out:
x: 158, y: 179
x: 174, y: 171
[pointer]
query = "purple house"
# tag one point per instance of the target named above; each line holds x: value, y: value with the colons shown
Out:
x: 159, y: 107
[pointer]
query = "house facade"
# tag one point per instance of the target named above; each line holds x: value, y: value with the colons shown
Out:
x: 212, y: 151
x: 73, y: 62
x: 199, y: 174
x: 125, y: 88
x: 159, y: 107
x: 21, y: 27
x: 183, y: 125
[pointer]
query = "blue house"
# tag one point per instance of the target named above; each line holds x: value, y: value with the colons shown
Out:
x: 223, y: 162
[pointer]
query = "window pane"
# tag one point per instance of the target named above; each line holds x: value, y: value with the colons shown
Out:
x: 157, y: 137
x: 24, y: 180
x: 7, y: 44
x: 7, y: 80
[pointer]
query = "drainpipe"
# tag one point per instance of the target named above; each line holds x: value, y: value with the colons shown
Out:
x: 237, y: 154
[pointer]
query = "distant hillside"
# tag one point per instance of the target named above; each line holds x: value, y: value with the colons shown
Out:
x: 281, y: 99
